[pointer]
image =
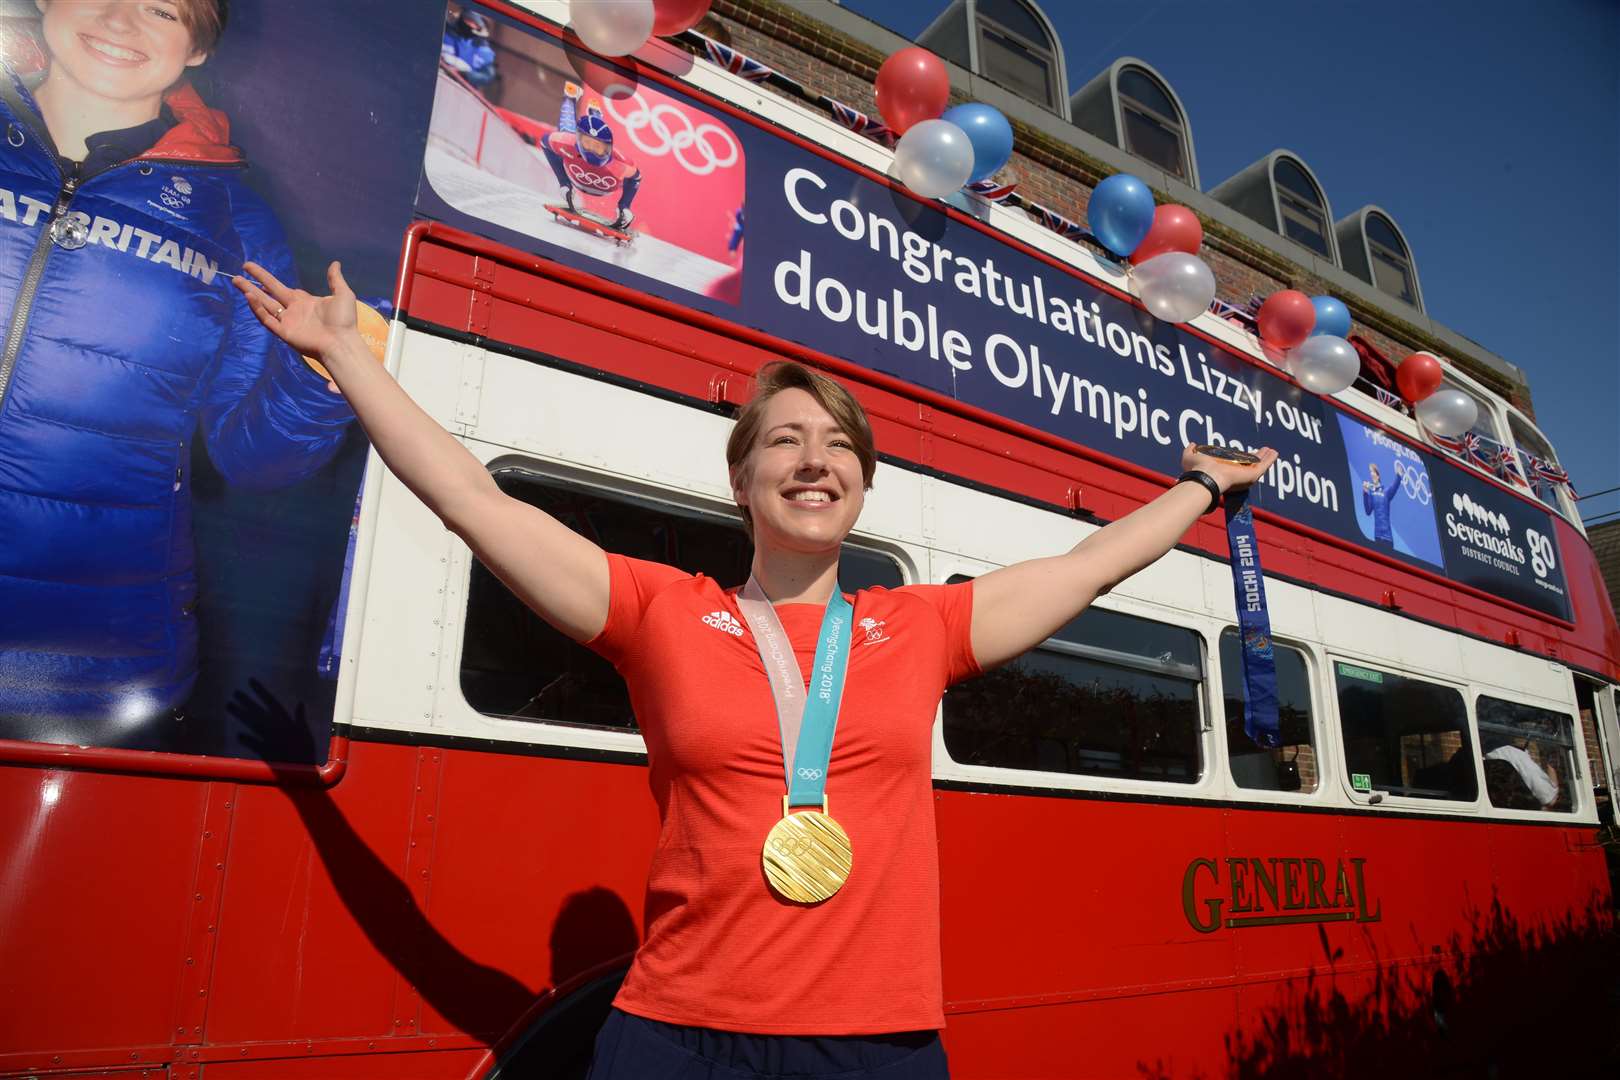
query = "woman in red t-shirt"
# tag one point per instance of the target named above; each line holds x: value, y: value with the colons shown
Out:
x: 736, y: 980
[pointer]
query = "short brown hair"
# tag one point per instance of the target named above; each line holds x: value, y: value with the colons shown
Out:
x: 206, y: 21
x: 780, y: 375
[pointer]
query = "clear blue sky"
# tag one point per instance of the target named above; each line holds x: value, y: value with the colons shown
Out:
x: 1489, y: 129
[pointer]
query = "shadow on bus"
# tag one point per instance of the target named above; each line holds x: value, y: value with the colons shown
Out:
x: 1508, y: 1000
x: 592, y: 927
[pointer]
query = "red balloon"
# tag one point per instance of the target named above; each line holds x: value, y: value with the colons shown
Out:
x: 912, y: 86
x: 1175, y: 228
x: 1418, y: 376
x: 671, y: 17
x: 1286, y: 318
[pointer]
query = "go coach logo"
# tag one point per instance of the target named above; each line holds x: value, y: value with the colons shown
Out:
x: 661, y: 129
x: 1542, y: 559
x: 1275, y: 892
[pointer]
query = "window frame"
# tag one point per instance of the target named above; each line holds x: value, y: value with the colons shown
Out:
x: 1578, y: 783
x: 1286, y: 197
x: 1177, y: 125
x: 1327, y: 763
x: 1205, y: 785
x: 1048, y: 53
x: 1563, y: 503
x: 1387, y: 799
x: 543, y: 731
x: 1368, y: 246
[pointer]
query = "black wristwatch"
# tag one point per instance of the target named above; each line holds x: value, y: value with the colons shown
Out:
x: 1198, y: 476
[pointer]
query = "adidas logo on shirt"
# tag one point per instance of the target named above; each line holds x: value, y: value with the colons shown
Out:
x: 722, y: 620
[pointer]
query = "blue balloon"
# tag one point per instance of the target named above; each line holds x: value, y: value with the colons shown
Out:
x: 1120, y: 213
x: 988, y: 132
x: 1332, y: 317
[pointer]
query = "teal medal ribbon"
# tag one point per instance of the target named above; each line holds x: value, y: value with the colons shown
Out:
x: 808, y: 718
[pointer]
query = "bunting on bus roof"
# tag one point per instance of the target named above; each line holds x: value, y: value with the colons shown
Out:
x: 1059, y: 224
x: 859, y: 122
x: 992, y: 190
x: 736, y: 62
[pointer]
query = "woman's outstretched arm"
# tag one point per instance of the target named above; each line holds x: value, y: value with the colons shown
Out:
x: 558, y: 573
x: 1020, y: 606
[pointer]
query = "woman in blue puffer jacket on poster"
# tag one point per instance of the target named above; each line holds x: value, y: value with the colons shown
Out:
x: 123, y: 215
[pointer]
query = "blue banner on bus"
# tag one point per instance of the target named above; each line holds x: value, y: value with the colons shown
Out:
x: 853, y: 268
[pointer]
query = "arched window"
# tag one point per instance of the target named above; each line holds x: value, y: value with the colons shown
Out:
x: 1016, y: 49
x: 1009, y: 42
x: 1373, y: 249
x: 1281, y: 193
x: 1391, y: 266
x: 1301, y: 209
x: 1152, y: 127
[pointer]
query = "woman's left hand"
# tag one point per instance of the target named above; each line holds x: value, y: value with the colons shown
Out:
x: 1230, y: 475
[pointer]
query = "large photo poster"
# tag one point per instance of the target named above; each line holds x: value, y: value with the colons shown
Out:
x: 534, y: 140
x: 177, y: 488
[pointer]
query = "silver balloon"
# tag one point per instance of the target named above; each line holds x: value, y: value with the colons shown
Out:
x: 934, y: 158
x: 612, y: 27
x: 1175, y: 286
x: 1447, y: 412
x: 1325, y: 364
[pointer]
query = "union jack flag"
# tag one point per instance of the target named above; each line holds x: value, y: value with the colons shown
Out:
x: 992, y: 190
x: 1448, y: 443
x: 1058, y: 223
x: 735, y: 62
x: 859, y: 122
x: 1242, y: 314
x: 1544, y: 473
x: 1394, y: 401
x: 1473, y: 448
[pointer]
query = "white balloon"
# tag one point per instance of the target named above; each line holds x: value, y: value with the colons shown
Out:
x: 934, y: 158
x: 1447, y: 412
x: 1175, y: 286
x: 1325, y: 364
x: 612, y: 27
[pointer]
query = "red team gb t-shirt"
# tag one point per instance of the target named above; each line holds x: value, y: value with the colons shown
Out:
x: 722, y: 950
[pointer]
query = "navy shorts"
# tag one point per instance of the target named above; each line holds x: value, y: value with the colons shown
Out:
x: 635, y: 1048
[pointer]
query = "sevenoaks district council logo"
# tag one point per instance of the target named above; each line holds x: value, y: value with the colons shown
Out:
x: 1241, y: 892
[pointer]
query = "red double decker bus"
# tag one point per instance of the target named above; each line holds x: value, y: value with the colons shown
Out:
x: 395, y: 825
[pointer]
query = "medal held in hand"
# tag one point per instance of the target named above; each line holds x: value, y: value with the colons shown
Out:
x: 807, y: 855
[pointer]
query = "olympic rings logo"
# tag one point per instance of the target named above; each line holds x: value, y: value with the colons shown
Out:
x: 580, y: 176
x: 699, y: 149
x: 809, y: 774
x: 1416, y: 485
x: 796, y: 847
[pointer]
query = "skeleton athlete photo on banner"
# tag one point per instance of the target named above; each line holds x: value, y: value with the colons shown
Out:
x: 792, y: 921
x: 550, y: 142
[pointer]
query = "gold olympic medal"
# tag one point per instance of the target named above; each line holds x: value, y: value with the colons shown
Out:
x: 373, y: 331
x: 807, y: 857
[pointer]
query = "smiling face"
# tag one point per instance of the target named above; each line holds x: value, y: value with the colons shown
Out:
x: 802, y: 480
x: 125, y: 51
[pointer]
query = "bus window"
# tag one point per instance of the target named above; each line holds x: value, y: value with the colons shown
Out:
x: 1107, y: 695
x: 1529, y: 755
x: 1404, y: 736
x: 1291, y: 766
x: 516, y: 667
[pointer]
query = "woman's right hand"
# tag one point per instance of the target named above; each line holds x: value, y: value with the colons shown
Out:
x: 314, y: 325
